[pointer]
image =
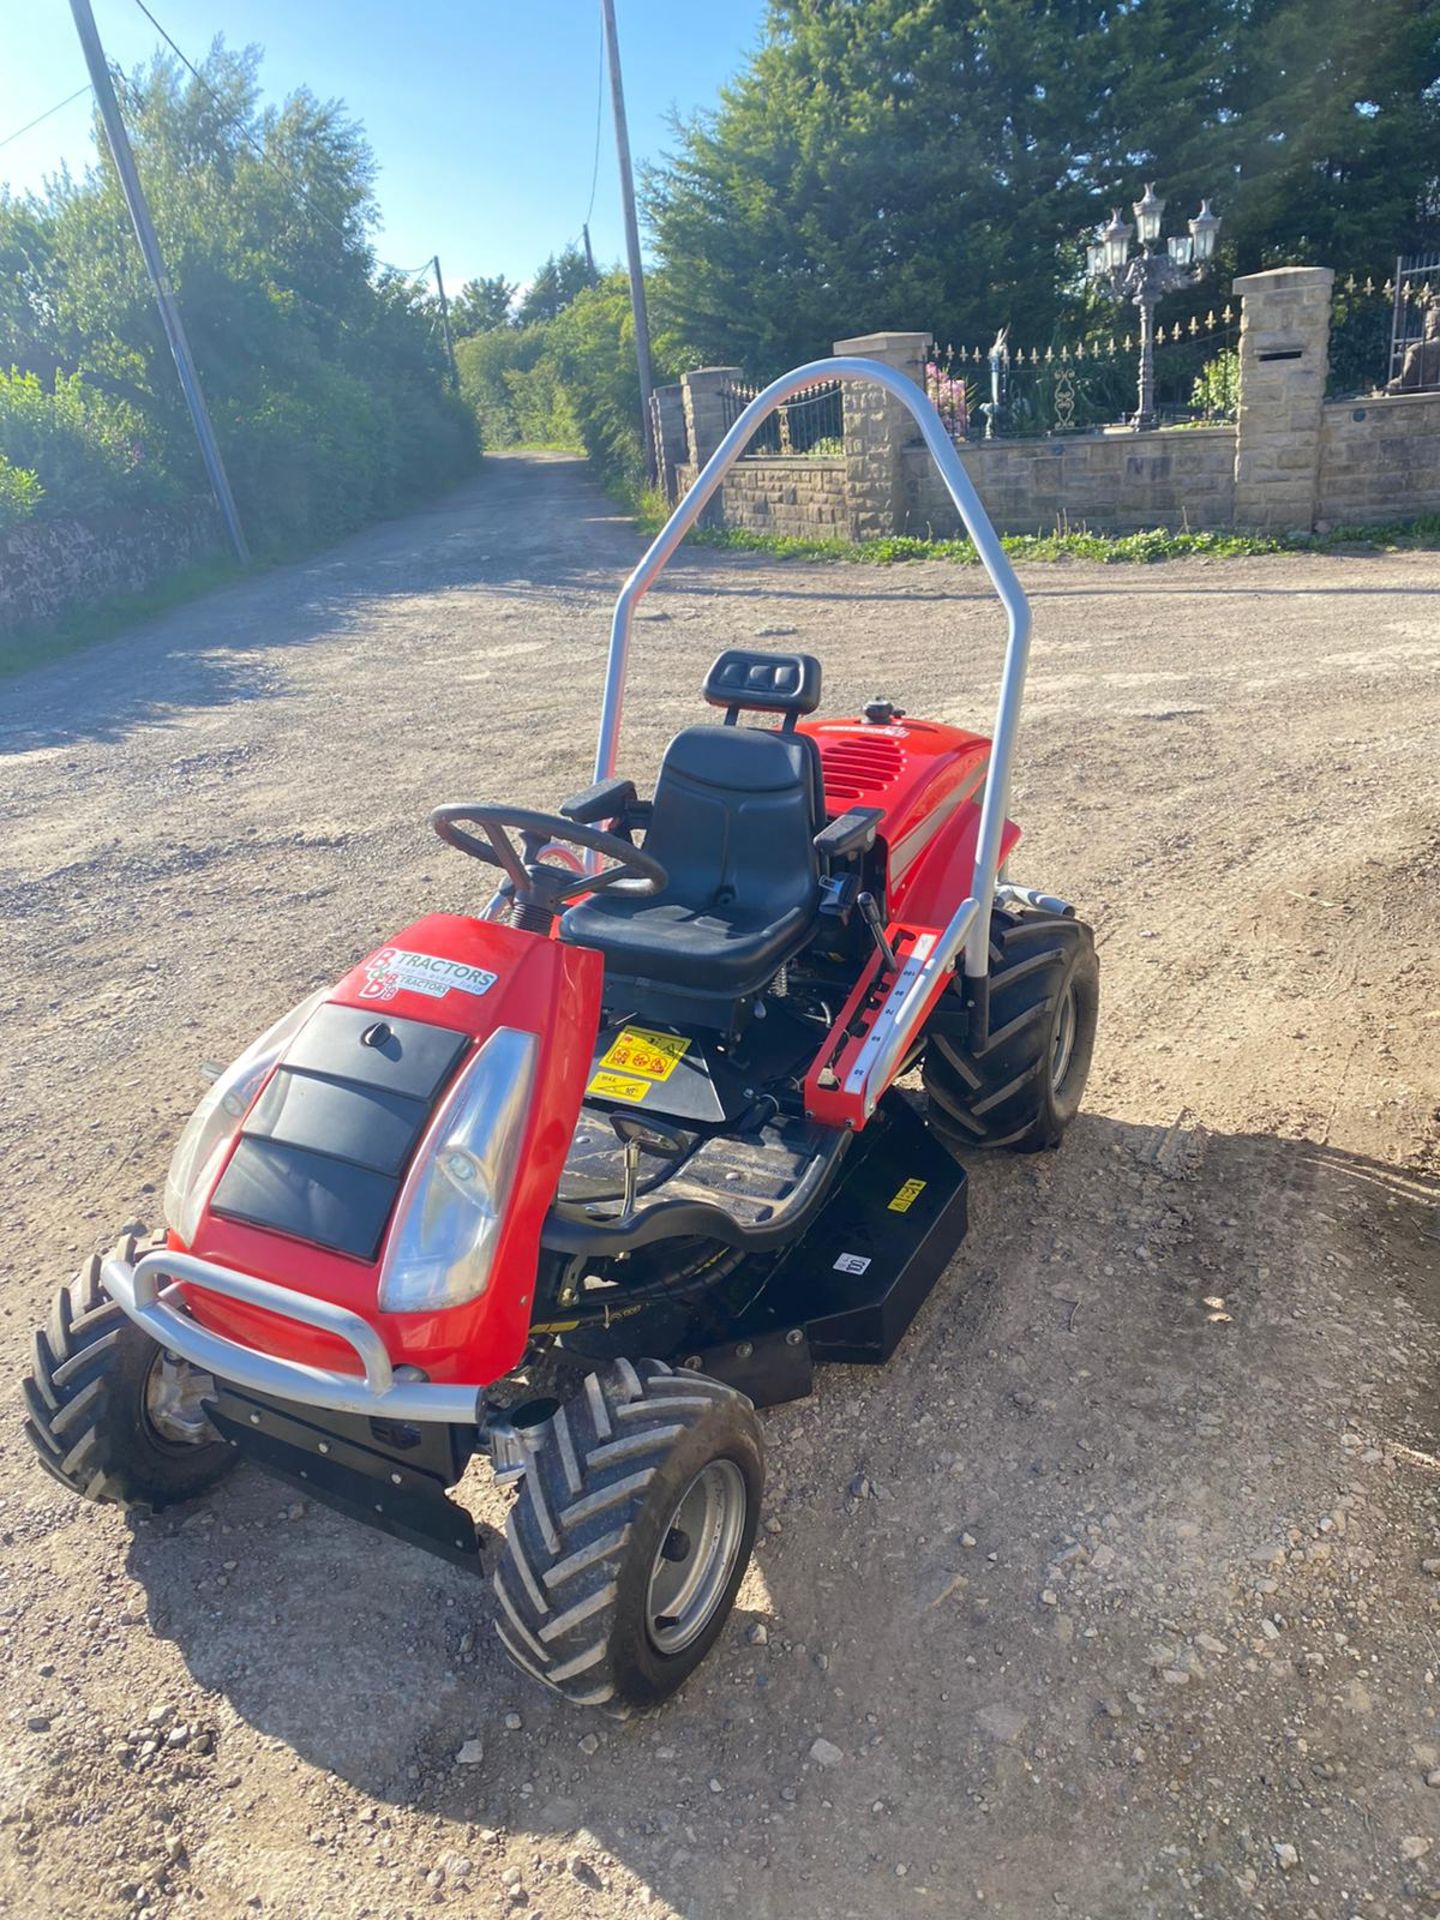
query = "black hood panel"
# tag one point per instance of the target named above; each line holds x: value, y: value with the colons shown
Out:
x: 323, y: 1150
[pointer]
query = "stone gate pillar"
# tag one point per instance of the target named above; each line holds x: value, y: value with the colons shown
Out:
x: 705, y: 427
x: 704, y: 410
x: 877, y: 430
x: 1284, y: 358
x: 669, y: 416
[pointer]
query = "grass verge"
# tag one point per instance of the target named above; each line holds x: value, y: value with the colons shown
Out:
x: 1158, y: 543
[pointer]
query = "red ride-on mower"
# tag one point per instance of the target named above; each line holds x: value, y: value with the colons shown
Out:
x: 580, y: 1182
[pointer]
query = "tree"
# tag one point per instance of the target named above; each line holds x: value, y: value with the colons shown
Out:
x: 324, y: 380
x: 934, y: 163
x: 482, y: 305
x: 592, y: 348
x: 555, y: 285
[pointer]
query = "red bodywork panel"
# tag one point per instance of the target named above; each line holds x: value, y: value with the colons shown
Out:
x: 924, y: 777
x: 928, y: 780
x: 542, y: 987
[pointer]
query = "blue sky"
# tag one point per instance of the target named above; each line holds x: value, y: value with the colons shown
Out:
x: 482, y: 116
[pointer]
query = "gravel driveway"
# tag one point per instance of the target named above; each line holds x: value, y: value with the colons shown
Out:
x: 1115, y: 1595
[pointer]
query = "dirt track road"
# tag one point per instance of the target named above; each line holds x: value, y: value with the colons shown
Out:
x: 1111, y: 1592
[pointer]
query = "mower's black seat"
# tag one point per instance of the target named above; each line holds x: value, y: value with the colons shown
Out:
x: 733, y: 822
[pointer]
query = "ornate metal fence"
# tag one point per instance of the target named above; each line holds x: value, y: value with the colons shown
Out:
x: 1415, y: 326
x: 1005, y: 392
x: 1385, y: 336
x: 1362, y: 324
x: 812, y: 424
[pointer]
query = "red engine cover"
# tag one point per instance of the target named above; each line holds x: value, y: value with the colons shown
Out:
x: 925, y: 778
x: 542, y: 987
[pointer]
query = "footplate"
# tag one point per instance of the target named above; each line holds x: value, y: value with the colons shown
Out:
x: 393, y: 1479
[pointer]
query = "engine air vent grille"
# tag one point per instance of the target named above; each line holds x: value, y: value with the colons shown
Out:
x: 854, y: 766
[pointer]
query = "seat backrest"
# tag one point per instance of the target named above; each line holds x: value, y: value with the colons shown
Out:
x: 734, y: 817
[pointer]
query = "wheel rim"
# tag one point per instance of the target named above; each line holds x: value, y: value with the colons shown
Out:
x: 174, y: 1402
x: 1062, y: 1051
x: 697, y: 1556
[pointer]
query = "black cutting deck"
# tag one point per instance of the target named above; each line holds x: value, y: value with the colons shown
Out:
x: 850, y: 1287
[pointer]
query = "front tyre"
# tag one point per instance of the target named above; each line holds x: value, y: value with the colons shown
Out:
x: 112, y: 1416
x: 1023, y: 1087
x: 631, y: 1534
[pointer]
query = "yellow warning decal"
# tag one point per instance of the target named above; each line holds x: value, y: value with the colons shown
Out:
x: 619, y: 1086
x: 638, y: 1050
x: 906, y: 1197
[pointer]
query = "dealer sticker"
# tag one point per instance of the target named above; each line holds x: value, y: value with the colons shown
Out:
x: 906, y: 1197
x: 619, y: 1086
x: 638, y: 1050
x: 852, y: 1263
x: 394, y: 970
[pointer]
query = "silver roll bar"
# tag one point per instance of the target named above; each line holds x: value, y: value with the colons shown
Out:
x: 972, y: 919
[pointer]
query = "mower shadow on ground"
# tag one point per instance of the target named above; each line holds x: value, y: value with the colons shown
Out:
x: 1049, y: 1362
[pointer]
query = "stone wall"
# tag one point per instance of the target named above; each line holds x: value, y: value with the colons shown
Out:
x: 1122, y: 482
x: 794, y: 495
x: 1379, y: 459
x: 50, y: 569
x: 1291, y: 462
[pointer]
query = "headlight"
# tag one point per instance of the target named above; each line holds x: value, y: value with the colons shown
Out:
x: 201, y: 1148
x: 447, y: 1224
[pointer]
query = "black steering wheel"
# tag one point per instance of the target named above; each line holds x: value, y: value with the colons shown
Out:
x: 536, y: 883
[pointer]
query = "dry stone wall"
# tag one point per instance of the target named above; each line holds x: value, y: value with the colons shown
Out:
x: 50, y: 569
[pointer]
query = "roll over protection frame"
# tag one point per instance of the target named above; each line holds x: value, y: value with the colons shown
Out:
x: 969, y: 925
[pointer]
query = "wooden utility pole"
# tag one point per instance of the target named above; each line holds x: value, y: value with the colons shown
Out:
x: 170, y: 319
x: 445, y: 321
x: 632, y: 237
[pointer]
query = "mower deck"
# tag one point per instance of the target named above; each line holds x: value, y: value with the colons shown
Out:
x: 845, y: 1292
x: 389, y: 1475
x: 848, y: 1289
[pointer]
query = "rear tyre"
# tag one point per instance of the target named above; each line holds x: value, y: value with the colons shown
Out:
x: 1023, y: 1087
x: 631, y: 1535
x: 112, y: 1416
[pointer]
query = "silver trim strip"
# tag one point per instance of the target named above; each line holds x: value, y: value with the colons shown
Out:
x: 970, y: 924
x: 146, y: 1293
x: 888, y: 1041
x: 908, y: 849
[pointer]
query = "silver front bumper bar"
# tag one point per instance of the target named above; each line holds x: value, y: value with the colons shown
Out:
x: 146, y: 1292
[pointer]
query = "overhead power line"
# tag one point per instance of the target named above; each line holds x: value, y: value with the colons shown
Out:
x: 599, y: 116
x: 261, y: 154
x: 31, y: 124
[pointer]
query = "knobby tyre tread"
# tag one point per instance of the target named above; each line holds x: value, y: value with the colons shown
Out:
x: 84, y: 1399
x: 1001, y: 1094
x: 609, y: 1467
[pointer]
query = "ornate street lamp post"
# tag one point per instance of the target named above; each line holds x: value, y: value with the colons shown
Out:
x: 1144, y: 278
